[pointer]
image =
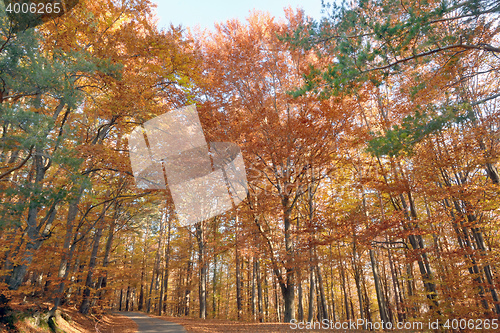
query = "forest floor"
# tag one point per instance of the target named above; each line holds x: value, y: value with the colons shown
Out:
x: 31, y: 318
x: 226, y: 326
x: 222, y: 326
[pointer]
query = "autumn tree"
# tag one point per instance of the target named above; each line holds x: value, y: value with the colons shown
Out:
x: 249, y: 73
x: 68, y: 100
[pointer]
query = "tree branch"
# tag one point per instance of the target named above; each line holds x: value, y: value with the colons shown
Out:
x: 6, y: 173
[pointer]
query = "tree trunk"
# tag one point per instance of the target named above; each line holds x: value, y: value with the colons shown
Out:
x: 417, y: 243
x: 288, y: 290
x: 277, y: 301
x: 324, y: 314
x: 103, y: 280
x: 395, y: 285
x: 214, y: 288
x: 238, y: 274
x: 378, y: 288
x: 355, y: 266
x: 200, y: 235
x: 156, y: 268
x: 127, y: 300
x: 259, y: 290
x: 332, y: 279
x: 85, y: 306
x: 310, y: 313
x: 300, y: 310
x: 266, y: 296
x: 36, y: 231
x: 367, y: 299
x: 121, y: 300
x: 343, y: 283
x: 187, y: 293
x: 254, y: 291
x: 68, y: 250
x: 143, y: 274
x: 162, y: 306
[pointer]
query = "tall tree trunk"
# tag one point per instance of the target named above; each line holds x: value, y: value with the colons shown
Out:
x: 121, y: 300
x: 259, y: 290
x: 367, y: 299
x: 36, y: 231
x: 143, y: 273
x: 357, y: 276
x: 479, y: 241
x: 288, y: 289
x: 187, y: 293
x: 215, y: 311
x: 378, y: 288
x: 68, y: 250
x: 162, y: 306
x: 103, y: 280
x: 417, y: 243
x: 414, y: 237
x: 310, y: 313
x: 266, y: 296
x: 214, y: 288
x: 277, y: 301
x: 85, y: 306
x: 156, y: 268
x: 127, y: 300
x: 343, y: 283
x: 253, y: 297
x: 301, y: 298
x: 321, y: 287
x: 387, y: 292
x: 332, y: 279
x: 200, y: 235
x: 238, y: 274
x: 395, y: 285
x: 286, y: 281
x: 141, y: 293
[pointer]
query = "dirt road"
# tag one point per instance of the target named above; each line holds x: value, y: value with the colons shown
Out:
x: 153, y: 325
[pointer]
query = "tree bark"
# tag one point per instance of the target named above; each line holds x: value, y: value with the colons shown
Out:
x: 254, y: 290
x: 259, y: 290
x: 238, y: 275
x: 156, y: 268
x: 68, y: 249
x: 378, y: 288
x: 310, y: 313
x: 127, y: 299
x: 103, y: 280
x: 300, y: 309
x: 189, y: 268
x: 85, y: 306
x: 162, y: 306
x: 324, y: 314
x: 33, y: 228
x: 202, y: 288
x: 288, y: 289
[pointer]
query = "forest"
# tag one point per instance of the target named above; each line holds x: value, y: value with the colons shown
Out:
x: 370, y: 138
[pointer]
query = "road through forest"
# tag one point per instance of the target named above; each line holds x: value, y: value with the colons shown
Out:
x: 152, y: 325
